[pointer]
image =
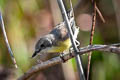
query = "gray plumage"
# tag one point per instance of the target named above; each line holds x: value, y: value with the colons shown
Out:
x: 59, y: 33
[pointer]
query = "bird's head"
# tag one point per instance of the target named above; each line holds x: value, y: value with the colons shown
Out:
x: 42, y: 44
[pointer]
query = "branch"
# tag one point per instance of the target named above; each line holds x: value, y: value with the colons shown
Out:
x: 91, y: 37
x: 100, y: 14
x: 6, y: 40
x: 80, y: 2
x: 98, y: 11
x: 114, y: 48
x: 72, y: 38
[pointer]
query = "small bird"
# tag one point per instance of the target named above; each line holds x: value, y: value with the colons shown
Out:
x: 57, y: 41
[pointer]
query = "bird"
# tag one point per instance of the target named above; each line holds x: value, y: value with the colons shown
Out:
x: 57, y: 40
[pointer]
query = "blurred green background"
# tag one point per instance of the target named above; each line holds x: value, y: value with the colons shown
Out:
x: 27, y: 20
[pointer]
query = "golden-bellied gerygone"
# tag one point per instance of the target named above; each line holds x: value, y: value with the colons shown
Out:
x: 57, y: 40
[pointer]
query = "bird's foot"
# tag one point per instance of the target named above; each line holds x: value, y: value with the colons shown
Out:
x: 62, y: 57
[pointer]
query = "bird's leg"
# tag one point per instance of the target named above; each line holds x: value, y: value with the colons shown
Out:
x: 62, y: 57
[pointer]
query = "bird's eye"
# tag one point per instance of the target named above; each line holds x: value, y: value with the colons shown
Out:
x: 42, y: 45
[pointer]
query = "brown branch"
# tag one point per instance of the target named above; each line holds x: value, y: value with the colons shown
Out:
x: 96, y: 9
x: 100, y: 14
x: 91, y: 37
x: 114, y: 48
x: 80, y: 2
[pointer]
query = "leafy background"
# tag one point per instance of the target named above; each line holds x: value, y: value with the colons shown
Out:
x: 27, y: 20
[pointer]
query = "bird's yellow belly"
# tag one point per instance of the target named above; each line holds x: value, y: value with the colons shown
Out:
x: 63, y: 45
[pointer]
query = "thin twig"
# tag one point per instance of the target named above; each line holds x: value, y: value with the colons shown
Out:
x: 98, y: 11
x: 100, y: 14
x: 113, y: 48
x: 6, y: 40
x: 91, y: 38
x: 73, y: 40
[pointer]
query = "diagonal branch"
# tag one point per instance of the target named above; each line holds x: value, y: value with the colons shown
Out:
x: 100, y: 14
x: 113, y: 48
x: 6, y: 40
x: 98, y: 11
x: 72, y: 39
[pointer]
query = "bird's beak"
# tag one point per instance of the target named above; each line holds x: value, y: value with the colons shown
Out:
x: 35, y: 53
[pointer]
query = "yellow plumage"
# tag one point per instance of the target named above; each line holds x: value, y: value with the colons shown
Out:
x: 57, y: 41
x: 63, y: 46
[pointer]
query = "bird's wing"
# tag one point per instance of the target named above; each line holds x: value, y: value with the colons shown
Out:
x: 60, y: 32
